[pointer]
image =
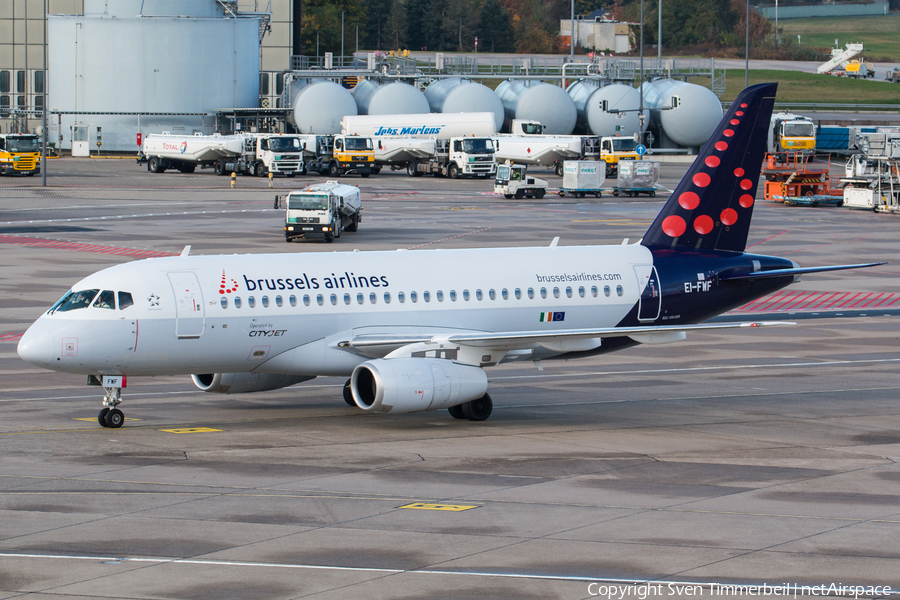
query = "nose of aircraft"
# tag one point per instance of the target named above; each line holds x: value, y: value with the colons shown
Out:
x: 36, y: 346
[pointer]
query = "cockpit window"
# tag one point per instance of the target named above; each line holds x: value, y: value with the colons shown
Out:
x: 106, y: 299
x: 59, y: 302
x: 77, y: 300
x: 125, y: 300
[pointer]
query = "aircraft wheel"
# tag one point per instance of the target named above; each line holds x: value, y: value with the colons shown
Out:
x: 478, y: 410
x: 114, y: 418
x: 456, y: 411
x: 348, y: 395
x: 101, y: 418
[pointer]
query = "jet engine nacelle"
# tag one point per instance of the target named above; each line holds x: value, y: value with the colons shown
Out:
x: 241, y: 383
x: 403, y: 385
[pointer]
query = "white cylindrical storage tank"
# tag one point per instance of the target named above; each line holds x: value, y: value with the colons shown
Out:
x: 455, y: 95
x: 696, y: 118
x: 318, y: 106
x: 389, y: 99
x: 538, y: 101
x: 593, y: 120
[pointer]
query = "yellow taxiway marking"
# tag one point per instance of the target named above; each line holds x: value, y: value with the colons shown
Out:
x: 192, y: 430
x: 449, y: 507
x: 94, y: 419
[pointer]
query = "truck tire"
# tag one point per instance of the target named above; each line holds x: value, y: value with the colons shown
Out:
x: 453, y: 172
x: 364, y: 174
x: 219, y: 167
x: 539, y: 193
x: 519, y: 194
x: 508, y: 196
x: 153, y: 165
x: 353, y: 227
x: 260, y: 170
x: 187, y: 168
x: 334, y: 170
x: 411, y: 169
x: 559, y: 169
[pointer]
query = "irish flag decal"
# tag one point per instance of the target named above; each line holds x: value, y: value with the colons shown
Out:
x: 552, y: 316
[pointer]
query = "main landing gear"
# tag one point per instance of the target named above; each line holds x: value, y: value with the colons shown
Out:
x: 474, y: 410
x: 110, y: 416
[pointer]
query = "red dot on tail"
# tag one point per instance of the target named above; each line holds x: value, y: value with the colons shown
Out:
x: 221, y: 291
x: 746, y: 201
x: 744, y: 105
x: 673, y: 226
x: 734, y: 121
x: 703, y: 224
x: 739, y: 172
x: 728, y: 132
x: 739, y: 113
x: 746, y: 184
x: 712, y: 161
x: 729, y: 216
x: 721, y: 146
x: 701, y: 179
x: 688, y: 200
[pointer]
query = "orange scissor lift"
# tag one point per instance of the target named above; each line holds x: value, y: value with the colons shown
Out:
x: 792, y: 178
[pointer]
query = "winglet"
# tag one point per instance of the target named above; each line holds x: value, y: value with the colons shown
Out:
x: 186, y: 251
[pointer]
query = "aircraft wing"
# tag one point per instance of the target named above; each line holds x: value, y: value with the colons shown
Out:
x: 529, y: 339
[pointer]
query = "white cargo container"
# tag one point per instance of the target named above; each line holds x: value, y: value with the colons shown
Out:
x: 637, y: 177
x: 582, y: 177
x: 322, y: 211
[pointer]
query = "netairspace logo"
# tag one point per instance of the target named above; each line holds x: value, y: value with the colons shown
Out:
x: 644, y: 591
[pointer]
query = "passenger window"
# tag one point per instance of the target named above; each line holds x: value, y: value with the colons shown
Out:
x: 278, y: 301
x: 466, y: 295
x: 347, y: 299
x: 78, y: 300
x: 426, y: 296
x: 293, y: 300
x: 223, y: 301
x: 452, y: 295
x: 606, y: 291
x: 478, y: 295
x: 531, y: 293
x: 334, y: 299
x: 305, y: 300
x: 360, y: 298
x: 265, y: 301
x: 544, y: 293
x: 373, y: 298
x: 492, y: 294
x: 518, y: 294
x: 125, y: 300
x: 401, y: 297
x: 504, y: 293
x: 237, y: 301
x: 439, y: 295
x: 568, y: 292
x: 320, y: 300
x: 594, y: 291
x: 581, y: 291
x: 387, y: 297
x: 556, y: 292
x: 251, y: 301
x: 413, y: 297
x: 619, y: 290
x: 106, y: 299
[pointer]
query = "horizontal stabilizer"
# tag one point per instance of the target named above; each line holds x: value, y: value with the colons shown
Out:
x: 796, y: 271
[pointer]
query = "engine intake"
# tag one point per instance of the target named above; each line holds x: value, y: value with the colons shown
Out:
x: 242, y: 383
x: 404, y: 385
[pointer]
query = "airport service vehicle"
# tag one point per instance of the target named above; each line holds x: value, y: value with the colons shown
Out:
x: 415, y: 330
x: 340, y: 154
x: 456, y: 157
x: 893, y: 76
x: 793, y: 178
x: 858, y: 69
x: 792, y: 133
x: 513, y: 182
x: 322, y: 211
x: 636, y: 177
x: 253, y: 154
x: 20, y: 154
x: 581, y: 177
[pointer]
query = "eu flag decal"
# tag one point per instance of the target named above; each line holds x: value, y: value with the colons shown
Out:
x: 552, y: 316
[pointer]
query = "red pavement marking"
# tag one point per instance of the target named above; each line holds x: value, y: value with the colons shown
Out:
x: 817, y: 301
x: 10, y: 337
x: 81, y: 247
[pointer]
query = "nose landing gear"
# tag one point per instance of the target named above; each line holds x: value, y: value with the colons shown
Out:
x: 110, y: 415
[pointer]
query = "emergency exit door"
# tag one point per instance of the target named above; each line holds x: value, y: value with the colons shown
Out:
x: 189, y: 311
x: 650, y: 303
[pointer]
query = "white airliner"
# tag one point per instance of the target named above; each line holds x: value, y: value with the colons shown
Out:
x: 414, y: 330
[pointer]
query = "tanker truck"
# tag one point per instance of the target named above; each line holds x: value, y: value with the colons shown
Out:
x: 449, y: 145
x: 253, y: 154
x: 339, y: 154
x: 321, y: 211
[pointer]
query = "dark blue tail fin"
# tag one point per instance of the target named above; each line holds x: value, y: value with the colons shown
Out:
x: 712, y: 206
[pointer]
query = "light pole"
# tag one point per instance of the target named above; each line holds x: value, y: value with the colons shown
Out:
x: 357, y: 43
x: 659, y: 37
x: 44, y: 106
x: 342, y: 37
x: 641, y: 109
x: 572, y: 36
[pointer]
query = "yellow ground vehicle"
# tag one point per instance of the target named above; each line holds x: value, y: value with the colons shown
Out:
x: 792, y: 133
x: 614, y: 149
x: 19, y: 154
x: 859, y: 69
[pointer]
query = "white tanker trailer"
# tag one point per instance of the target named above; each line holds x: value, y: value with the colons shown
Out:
x: 254, y: 154
x: 430, y: 125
